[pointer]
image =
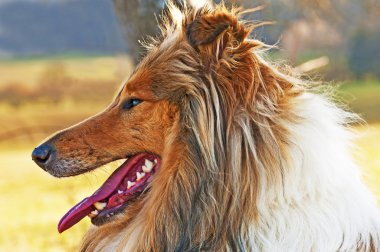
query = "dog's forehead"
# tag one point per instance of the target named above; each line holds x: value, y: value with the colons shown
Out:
x: 139, y: 80
x: 156, y: 69
x: 138, y: 85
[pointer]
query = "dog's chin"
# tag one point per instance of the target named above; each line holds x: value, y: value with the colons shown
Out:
x: 126, y: 186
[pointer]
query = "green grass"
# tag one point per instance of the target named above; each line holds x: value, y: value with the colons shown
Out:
x: 362, y: 97
x: 28, y: 72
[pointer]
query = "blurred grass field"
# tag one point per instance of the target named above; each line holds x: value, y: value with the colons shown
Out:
x: 33, y: 201
x: 99, y: 68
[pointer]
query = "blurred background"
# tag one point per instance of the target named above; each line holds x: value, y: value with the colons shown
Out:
x: 63, y: 60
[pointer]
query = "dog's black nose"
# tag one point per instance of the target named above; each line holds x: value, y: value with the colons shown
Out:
x: 42, y: 154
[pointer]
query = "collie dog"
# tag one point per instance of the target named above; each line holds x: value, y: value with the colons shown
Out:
x: 226, y: 152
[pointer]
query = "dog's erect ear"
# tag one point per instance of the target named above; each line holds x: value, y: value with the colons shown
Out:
x: 217, y: 34
x: 221, y: 41
x: 210, y: 27
x: 202, y: 32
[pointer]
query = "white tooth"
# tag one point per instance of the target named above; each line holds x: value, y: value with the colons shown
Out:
x: 155, y: 160
x: 148, y: 164
x: 120, y: 191
x: 139, y: 175
x: 130, y: 184
x: 100, y: 205
x: 92, y: 214
x: 146, y: 169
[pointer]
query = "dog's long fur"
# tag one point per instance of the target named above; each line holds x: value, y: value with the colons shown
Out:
x: 251, y: 159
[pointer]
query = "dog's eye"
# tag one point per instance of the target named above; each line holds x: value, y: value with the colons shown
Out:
x: 130, y: 103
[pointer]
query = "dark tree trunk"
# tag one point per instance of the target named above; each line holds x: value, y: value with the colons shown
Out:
x: 137, y: 19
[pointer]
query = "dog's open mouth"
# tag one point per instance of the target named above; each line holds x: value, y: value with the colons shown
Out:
x: 126, y: 183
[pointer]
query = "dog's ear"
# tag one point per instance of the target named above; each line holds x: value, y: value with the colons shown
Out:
x: 205, y: 30
x: 215, y: 27
x: 217, y: 34
x: 221, y: 42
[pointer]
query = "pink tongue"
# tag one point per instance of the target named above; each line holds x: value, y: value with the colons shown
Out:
x: 83, y: 208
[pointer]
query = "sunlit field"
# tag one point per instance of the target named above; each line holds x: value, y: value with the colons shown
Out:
x: 32, y: 202
x: 96, y: 68
x: 368, y: 156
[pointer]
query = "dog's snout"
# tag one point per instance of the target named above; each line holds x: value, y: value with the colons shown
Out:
x: 42, y: 154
